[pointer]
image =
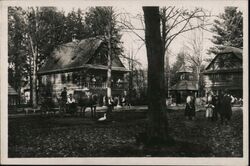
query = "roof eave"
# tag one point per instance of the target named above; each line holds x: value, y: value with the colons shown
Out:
x: 81, y: 67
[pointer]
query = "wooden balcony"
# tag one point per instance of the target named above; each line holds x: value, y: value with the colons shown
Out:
x: 115, y: 86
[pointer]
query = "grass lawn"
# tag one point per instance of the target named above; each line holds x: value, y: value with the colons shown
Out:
x: 41, y: 136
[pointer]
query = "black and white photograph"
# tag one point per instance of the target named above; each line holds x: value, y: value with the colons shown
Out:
x: 124, y: 82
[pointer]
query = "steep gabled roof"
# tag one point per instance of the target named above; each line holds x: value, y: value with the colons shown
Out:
x: 234, y: 50
x: 185, y: 85
x: 11, y: 91
x: 73, y: 55
x: 227, y: 49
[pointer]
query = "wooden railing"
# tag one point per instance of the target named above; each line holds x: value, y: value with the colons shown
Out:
x: 104, y: 85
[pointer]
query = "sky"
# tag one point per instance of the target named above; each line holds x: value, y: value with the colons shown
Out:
x: 134, y: 44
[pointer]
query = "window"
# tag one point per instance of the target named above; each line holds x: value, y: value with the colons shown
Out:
x: 63, y: 78
x: 100, y: 59
x: 68, y: 78
x: 75, y: 78
x: 223, y: 77
x: 191, y: 77
x: 182, y: 77
x: 230, y: 77
x: 54, y: 78
x: 221, y: 63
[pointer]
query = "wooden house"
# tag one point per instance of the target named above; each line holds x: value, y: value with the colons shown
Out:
x: 81, y: 65
x: 185, y: 86
x: 12, y: 97
x: 225, y: 72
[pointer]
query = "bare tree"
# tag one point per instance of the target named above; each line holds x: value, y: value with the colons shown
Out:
x: 195, y: 54
x: 108, y: 38
x: 158, y: 123
x: 174, y: 22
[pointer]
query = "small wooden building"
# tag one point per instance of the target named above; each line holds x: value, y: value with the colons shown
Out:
x: 185, y: 86
x: 225, y: 72
x: 12, y: 97
x: 81, y: 65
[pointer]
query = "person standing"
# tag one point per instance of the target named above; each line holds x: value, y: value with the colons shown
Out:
x: 110, y: 105
x: 216, y: 102
x: 71, y: 104
x: 63, y: 99
x: 209, y: 111
x: 226, y: 108
x: 190, y: 107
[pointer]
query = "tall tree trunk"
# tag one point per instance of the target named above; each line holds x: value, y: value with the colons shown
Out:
x: 34, y: 49
x: 34, y: 74
x: 198, y: 80
x: 157, y: 124
x: 109, y: 62
x: 164, y: 36
x: 131, y: 75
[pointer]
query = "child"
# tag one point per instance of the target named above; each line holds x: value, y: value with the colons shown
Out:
x: 209, y: 111
x: 71, y: 104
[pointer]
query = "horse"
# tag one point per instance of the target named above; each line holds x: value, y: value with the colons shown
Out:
x: 84, y: 101
x: 47, y: 105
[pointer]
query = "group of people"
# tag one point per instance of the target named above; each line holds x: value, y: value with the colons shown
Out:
x: 68, y: 102
x: 219, y: 104
x: 216, y: 105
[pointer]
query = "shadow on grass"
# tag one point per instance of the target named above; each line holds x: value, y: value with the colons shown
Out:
x: 177, y: 149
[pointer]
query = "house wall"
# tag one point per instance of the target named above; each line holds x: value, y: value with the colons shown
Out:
x: 221, y: 81
x: 94, y: 80
x: 12, y: 100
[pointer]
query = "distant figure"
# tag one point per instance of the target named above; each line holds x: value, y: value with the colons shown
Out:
x: 226, y: 108
x: 125, y: 101
x: 71, y: 104
x: 209, y: 111
x: 110, y: 105
x: 190, y: 107
x: 64, y: 99
x: 217, y: 106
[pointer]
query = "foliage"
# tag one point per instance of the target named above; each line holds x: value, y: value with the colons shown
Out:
x: 16, y: 47
x: 174, y: 22
x: 228, y: 29
x: 98, y: 21
x: 33, y: 33
x: 74, y: 26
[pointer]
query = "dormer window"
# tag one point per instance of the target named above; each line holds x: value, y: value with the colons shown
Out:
x: 191, y: 77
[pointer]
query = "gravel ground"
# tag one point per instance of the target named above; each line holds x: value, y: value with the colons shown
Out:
x: 47, y: 136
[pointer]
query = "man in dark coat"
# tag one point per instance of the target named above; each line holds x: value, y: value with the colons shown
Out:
x: 226, y: 108
x: 216, y: 103
x: 64, y: 99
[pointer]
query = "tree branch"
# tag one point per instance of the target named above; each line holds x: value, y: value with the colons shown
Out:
x: 170, y: 38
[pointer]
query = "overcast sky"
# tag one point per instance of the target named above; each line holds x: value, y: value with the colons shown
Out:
x: 134, y: 44
x: 131, y: 41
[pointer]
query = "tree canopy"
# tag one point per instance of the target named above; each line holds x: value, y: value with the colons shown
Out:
x: 100, y: 20
x: 228, y: 29
x: 34, y: 32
